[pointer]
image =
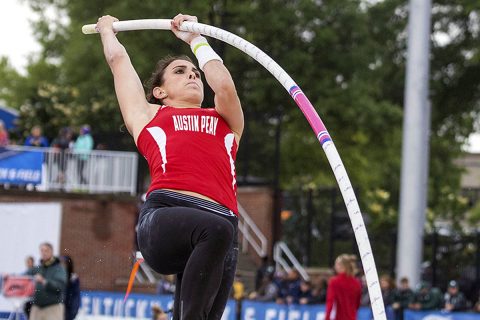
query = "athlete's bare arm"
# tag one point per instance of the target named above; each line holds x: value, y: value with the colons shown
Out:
x: 227, y: 102
x: 136, y: 111
x: 219, y: 79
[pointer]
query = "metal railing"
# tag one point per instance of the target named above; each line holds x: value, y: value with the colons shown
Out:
x: 96, y: 171
x: 279, y: 251
x: 251, y: 234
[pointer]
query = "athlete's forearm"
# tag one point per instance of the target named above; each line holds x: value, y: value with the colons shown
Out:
x: 219, y: 78
x: 112, y: 48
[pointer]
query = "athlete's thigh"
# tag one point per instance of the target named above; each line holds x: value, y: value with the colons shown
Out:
x: 165, y: 236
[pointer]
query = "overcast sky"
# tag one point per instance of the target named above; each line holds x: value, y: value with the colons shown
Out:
x: 16, y: 38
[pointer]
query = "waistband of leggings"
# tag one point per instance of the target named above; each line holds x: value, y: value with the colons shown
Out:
x: 167, y: 198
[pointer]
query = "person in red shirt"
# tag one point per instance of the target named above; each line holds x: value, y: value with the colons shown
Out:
x: 343, y: 292
x: 188, y: 223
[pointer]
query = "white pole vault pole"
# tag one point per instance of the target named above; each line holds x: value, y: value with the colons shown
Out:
x: 315, y: 122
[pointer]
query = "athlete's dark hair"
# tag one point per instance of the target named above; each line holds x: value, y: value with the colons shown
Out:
x: 156, y: 79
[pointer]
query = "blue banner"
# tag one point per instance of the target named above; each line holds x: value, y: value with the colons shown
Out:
x: 8, y: 116
x: 439, y: 315
x: 138, y: 306
x: 252, y: 310
x: 20, y: 167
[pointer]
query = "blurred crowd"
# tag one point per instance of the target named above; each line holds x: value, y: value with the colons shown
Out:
x: 55, y: 293
x: 68, y: 145
x: 67, y: 138
x: 290, y: 288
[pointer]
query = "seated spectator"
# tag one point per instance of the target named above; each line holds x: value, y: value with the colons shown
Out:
x: 238, y: 288
x: 268, y: 291
x: 454, y: 298
x: 426, y: 298
x: 365, y: 295
x: 305, y: 293
x: 293, y: 286
x: 165, y: 285
x: 158, y: 313
x: 265, y: 267
x: 319, y: 292
x: 4, y: 139
x: 280, y: 280
x: 402, y: 297
x: 35, y: 139
x: 388, y: 287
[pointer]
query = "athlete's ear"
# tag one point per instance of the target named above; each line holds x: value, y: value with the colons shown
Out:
x: 159, y: 93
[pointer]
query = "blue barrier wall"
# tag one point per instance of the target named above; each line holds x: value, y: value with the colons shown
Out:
x: 107, y: 305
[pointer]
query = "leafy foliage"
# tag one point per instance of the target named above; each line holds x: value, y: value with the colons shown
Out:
x: 347, y: 55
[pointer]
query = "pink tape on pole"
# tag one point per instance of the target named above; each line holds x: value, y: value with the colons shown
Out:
x: 309, y: 111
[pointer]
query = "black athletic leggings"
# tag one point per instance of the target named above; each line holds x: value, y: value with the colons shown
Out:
x: 195, y: 239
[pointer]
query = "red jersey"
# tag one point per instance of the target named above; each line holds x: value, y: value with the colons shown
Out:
x: 191, y: 149
x: 345, y: 293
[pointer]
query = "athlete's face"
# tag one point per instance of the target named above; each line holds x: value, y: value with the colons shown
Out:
x: 183, y: 82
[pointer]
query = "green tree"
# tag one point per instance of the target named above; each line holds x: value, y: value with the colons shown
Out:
x: 347, y: 55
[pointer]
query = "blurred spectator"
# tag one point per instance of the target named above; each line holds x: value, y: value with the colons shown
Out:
x: 72, y: 294
x: 426, y: 298
x: 454, y: 298
x: 365, y: 296
x: 35, y: 139
x: 51, y: 282
x: 356, y: 269
x: 344, y: 290
x: 158, y: 313
x: 268, y: 290
x: 238, y: 288
x: 280, y: 280
x: 264, y: 268
x: 387, y: 285
x: 305, y: 293
x: 4, y: 139
x: 166, y: 284
x: 293, y: 281
x: 319, y: 292
x: 82, y: 147
x: 62, y: 142
x: 476, y: 306
x: 29, y: 265
x: 402, y: 297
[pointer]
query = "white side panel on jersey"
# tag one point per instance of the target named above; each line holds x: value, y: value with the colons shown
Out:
x: 161, y: 139
x: 229, y: 138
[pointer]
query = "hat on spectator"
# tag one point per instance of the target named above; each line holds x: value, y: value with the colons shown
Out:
x: 453, y: 284
x: 423, y: 285
x: 85, y: 129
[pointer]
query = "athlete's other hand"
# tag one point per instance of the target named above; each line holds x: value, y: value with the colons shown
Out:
x: 183, y: 35
x: 105, y: 24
